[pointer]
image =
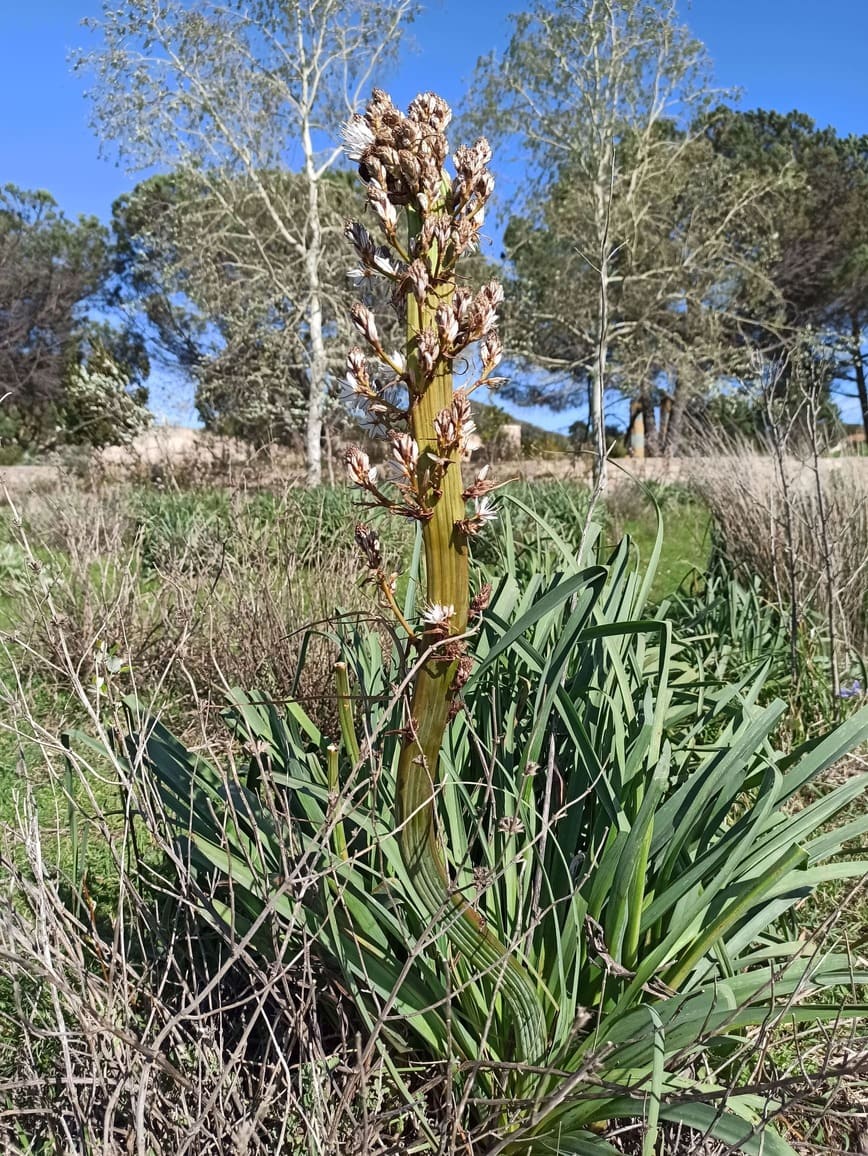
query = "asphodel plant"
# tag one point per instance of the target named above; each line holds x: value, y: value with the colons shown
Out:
x: 428, y: 220
x: 609, y: 925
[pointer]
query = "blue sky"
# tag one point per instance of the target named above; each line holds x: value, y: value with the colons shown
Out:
x: 782, y: 54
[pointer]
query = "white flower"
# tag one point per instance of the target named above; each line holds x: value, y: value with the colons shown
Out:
x: 357, y: 136
x: 484, y: 510
x: 359, y: 468
x: 437, y: 615
x: 384, y: 263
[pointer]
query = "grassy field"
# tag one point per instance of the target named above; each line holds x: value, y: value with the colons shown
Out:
x: 178, y: 595
x: 109, y: 585
x: 686, y: 548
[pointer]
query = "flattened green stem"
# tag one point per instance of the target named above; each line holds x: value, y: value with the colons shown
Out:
x: 345, y: 714
x: 447, y: 584
x: 340, y: 838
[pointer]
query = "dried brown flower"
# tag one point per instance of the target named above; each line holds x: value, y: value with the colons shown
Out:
x: 368, y: 542
x: 479, y: 602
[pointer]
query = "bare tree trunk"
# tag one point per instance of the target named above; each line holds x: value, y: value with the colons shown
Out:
x: 318, y: 361
x: 330, y: 455
x: 636, y: 432
x: 859, y: 369
x: 665, y: 414
x: 652, y: 446
x: 603, y: 210
x: 675, y: 421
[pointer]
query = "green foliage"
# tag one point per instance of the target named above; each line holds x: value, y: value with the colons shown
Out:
x: 184, y: 529
x: 817, y: 273
x: 188, y: 244
x: 735, y: 632
x: 193, y: 530
x: 643, y: 876
x: 539, y: 512
x: 51, y: 268
x: 10, y: 452
x: 490, y: 420
x: 540, y: 443
x: 99, y: 406
x: 587, y: 89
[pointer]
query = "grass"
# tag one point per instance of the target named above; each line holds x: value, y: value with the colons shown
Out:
x: 242, y: 570
x: 112, y: 585
x: 686, y: 546
x: 196, y: 541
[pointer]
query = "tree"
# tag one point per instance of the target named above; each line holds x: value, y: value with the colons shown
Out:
x: 101, y: 405
x: 227, y: 93
x: 53, y: 272
x: 696, y: 239
x: 590, y: 89
x: 48, y: 267
x: 818, y: 272
x: 187, y: 268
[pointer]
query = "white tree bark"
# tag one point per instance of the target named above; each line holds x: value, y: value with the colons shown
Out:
x: 318, y: 361
x: 598, y: 369
x: 227, y: 90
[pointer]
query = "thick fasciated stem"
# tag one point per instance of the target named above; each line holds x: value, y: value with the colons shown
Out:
x: 447, y: 584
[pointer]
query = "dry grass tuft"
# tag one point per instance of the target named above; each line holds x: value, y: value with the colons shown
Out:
x: 178, y: 596
x: 803, y: 530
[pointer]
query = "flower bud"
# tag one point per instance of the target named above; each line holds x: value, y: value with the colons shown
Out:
x: 363, y: 320
x: 359, y: 468
x: 429, y: 350
x: 490, y: 351
x: 405, y: 452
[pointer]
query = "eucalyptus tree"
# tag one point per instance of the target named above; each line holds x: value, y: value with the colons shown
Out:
x: 227, y: 93
x: 614, y: 232
x: 196, y: 284
x: 693, y: 242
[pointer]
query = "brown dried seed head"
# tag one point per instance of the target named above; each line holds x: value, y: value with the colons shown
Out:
x: 429, y: 350
x: 445, y: 430
x: 447, y: 326
x: 405, y: 452
x: 379, y: 201
x: 369, y: 543
x: 410, y: 168
x: 359, y: 468
x: 480, y: 600
x: 432, y: 110
x: 462, y: 302
x: 358, y: 378
x: 510, y: 825
x: 461, y: 408
x: 462, y: 673
x: 417, y: 279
